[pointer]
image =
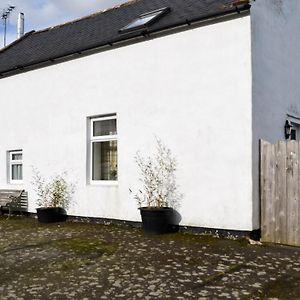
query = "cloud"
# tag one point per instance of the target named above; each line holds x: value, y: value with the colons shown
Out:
x: 41, y: 14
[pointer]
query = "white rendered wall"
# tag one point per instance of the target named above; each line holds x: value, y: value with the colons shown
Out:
x: 276, y: 67
x: 192, y: 89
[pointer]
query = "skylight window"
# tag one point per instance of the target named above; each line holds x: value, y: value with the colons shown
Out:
x: 145, y: 20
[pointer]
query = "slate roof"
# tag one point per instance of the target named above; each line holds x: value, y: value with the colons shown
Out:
x: 102, y: 28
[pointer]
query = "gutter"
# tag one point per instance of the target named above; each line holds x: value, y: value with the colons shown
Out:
x: 133, y: 37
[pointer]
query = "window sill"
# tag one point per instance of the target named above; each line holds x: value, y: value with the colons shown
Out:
x: 16, y: 182
x: 104, y: 183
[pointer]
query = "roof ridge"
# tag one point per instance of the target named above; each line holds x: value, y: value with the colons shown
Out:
x: 87, y: 16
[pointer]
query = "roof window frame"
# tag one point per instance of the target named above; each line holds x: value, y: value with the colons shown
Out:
x: 158, y: 14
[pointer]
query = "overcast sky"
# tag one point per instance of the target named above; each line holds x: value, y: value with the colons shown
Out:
x: 40, y: 14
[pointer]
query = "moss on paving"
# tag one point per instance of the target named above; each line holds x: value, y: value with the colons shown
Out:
x: 25, y: 223
x: 61, y: 252
x: 187, y: 237
x: 286, y: 287
x: 85, y: 245
x: 207, y: 239
x: 17, y: 223
x: 89, y: 245
x: 220, y: 275
x: 41, y: 268
x: 70, y: 255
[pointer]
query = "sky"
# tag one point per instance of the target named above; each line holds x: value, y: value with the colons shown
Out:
x: 41, y: 14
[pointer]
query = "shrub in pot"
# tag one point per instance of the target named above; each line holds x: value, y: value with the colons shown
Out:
x: 54, y: 197
x: 158, y: 194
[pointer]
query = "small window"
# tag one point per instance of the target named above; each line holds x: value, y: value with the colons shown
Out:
x: 104, y: 146
x: 293, y: 134
x: 144, y: 20
x: 15, y: 166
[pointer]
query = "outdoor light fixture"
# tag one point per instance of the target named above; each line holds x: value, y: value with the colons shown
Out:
x: 288, y: 129
x: 4, y: 16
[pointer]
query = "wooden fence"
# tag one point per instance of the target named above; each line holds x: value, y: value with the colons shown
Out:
x: 280, y: 192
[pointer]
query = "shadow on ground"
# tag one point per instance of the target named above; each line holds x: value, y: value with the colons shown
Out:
x: 82, y: 260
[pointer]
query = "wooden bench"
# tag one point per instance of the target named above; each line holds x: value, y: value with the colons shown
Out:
x: 13, y: 201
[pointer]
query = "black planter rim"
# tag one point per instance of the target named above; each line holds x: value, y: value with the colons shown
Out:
x: 48, y: 208
x: 155, y: 208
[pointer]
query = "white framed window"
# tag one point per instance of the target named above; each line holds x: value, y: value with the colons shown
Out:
x: 15, y: 166
x: 104, y: 149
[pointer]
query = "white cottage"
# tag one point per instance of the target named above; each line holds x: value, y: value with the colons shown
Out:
x: 210, y: 78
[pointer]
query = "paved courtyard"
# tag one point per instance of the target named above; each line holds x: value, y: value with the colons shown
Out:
x: 91, y: 261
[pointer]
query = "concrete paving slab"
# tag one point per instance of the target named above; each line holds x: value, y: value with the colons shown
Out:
x: 76, y: 260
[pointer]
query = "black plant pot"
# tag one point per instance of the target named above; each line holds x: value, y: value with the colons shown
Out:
x: 51, y: 214
x: 156, y: 220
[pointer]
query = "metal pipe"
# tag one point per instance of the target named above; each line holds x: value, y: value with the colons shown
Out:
x: 20, y: 25
x: 5, y: 15
x: 4, y: 38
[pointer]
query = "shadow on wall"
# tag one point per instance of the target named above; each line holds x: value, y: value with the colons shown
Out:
x: 175, y: 219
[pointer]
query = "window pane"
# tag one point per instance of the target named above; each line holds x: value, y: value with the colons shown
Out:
x: 145, y: 19
x: 140, y: 21
x: 16, y: 172
x: 104, y: 161
x: 105, y: 127
x: 16, y: 156
x: 293, y: 134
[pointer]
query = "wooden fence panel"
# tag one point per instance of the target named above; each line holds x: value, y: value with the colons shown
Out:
x: 297, y: 199
x: 267, y: 191
x: 280, y: 188
x: 280, y: 193
x: 292, y: 191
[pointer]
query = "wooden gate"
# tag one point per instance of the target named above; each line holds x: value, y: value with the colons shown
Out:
x: 280, y: 192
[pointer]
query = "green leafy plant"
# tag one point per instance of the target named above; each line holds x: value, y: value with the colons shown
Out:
x: 57, y: 192
x: 157, y: 177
